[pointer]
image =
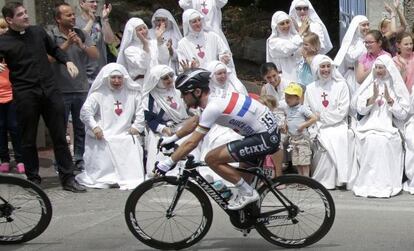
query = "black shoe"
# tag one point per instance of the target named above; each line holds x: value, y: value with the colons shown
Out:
x: 73, y: 186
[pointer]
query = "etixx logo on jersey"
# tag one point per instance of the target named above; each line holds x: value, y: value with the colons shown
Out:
x: 247, y: 150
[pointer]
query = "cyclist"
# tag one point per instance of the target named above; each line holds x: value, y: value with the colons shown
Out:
x: 243, y: 114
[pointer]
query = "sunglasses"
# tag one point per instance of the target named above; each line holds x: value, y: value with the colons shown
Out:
x: 305, y: 8
x: 167, y: 76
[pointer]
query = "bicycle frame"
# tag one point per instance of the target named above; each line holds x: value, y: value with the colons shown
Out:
x: 237, y: 216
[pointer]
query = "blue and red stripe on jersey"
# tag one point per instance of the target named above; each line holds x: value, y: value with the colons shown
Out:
x: 233, y: 102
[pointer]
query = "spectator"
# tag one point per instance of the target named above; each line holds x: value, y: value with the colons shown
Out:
x: 383, y: 101
x: 283, y: 46
x: 298, y: 118
x: 305, y: 16
x: 376, y: 46
x: 409, y: 148
x: 25, y: 49
x: 138, y: 53
x: 100, y: 31
x: 310, y: 48
x: 113, y: 118
x: 352, y: 48
x: 328, y: 97
x: 78, y: 47
x: 164, y: 22
x: 199, y: 47
x: 8, y: 122
x: 405, y: 58
x: 388, y: 25
x: 164, y: 109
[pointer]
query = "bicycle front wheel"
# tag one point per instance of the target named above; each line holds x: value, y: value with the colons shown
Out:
x: 307, y: 221
x: 25, y: 210
x: 146, y: 214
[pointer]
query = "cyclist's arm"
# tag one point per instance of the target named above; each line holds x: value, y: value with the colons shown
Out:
x: 188, y: 127
x: 190, y: 144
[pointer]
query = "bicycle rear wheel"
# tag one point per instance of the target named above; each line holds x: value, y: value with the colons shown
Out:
x: 25, y: 210
x: 146, y: 214
x: 311, y: 217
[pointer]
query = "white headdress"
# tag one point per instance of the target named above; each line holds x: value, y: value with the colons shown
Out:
x: 153, y: 85
x: 313, y: 16
x: 232, y: 83
x: 172, y: 24
x: 103, y: 81
x: 129, y: 38
x: 188, y: 15
x: 352, y: 34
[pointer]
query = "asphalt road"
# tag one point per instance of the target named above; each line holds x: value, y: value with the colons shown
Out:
x: 95, y: 221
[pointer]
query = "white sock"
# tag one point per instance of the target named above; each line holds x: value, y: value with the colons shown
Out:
x: 244, y: 187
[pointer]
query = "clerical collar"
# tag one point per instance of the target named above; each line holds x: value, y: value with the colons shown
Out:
x: 22, y: 32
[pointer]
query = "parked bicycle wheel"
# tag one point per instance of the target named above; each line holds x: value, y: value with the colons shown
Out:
x: 306, y: 222
x: 146, y: 214
x: 25, y: 210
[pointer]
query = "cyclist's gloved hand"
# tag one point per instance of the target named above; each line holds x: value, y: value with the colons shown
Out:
x: 167, y: 142
x: 163, y: 166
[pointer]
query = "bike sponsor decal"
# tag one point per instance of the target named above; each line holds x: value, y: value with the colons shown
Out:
x: 11, y: 238
x: 212, y: 192
x: 137, y: 228
x: 199, y: 231
x: 325, y: 202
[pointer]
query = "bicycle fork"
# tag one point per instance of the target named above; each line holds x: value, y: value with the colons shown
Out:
x: 180, y: 188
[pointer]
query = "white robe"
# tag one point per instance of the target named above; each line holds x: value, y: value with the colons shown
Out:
x: 211, y: 48
x: 409, y: 148
x: 118, y: 158
x: 331, y: 101
x: 172, y: 32
x: 284, y: 52
x: 380, y: 155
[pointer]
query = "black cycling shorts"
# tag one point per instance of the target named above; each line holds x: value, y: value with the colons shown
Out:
x: 253, y: 149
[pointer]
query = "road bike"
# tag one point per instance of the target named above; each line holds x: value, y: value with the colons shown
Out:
x: 174, y: 212
x: 25, y: 210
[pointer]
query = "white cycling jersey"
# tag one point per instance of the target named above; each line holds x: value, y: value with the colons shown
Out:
x: 243, y: 114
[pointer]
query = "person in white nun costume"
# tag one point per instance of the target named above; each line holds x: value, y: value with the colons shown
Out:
x: 221, y: 79
x: 283, y: 46
x: 211, y: 11
x: 114, y: 119
x: 199, y: 46
x: 163, y: 21
x: 409, y: 147
x: 138, y: 53
x: 304, y: 14
x: 383, y: 101
x: 328, y: 97
x: 164, y: 109
x: 351, y: 50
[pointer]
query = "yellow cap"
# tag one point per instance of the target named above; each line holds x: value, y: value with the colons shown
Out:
x: 294, y: 89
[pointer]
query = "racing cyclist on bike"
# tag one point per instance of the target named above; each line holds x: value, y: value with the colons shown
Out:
x: 243, y: 114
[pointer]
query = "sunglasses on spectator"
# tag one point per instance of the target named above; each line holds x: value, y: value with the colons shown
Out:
x: 167, y: 76
x: 305, y: 8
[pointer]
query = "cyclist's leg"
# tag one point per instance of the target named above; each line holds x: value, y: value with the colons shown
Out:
x: 218, y: 159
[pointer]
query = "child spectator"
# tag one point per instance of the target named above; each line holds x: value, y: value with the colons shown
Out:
x: 298, y: 119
